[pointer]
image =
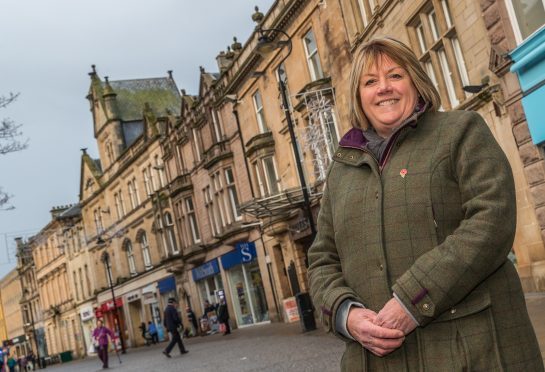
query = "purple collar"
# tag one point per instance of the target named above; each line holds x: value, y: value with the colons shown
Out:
x: 355, y: 138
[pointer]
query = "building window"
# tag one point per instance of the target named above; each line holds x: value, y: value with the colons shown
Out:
x: 88, y: 280
x: 233, y: 198
x: 97, y: 213
x: 130, y: 257
x: 366, y: 10
x: 81, y: 283
x: 133, y: 196
x: 259, y: 113
x: 526, y: 17
x: 171, y: 237
x: 212, y: 214
x: 160, y: 169
x: 76, y: 285
x: 143, y: 240
x: 434, y: 38
x: 192, y: 220
x: 313, y: 58
x: 197, y: 142
x: 281, y: 75
x: 147, y: 182
x: 119, y: 207
x: 219, y: 198
x: 267, y: 176
x: 218, y: 133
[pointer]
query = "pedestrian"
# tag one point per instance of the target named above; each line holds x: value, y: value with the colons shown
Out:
x: 100, y: 341
x: 223, y: 317
x: 409, y: 265
x: 192, y: 321
x: 152, y: 329
x: 173, y: 324
x: 11, y: 363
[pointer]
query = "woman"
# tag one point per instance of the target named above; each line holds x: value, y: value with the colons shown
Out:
x: 409, y: 266
x: 100, y: 338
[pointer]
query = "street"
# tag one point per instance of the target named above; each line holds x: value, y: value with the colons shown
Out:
x: 269, y: 347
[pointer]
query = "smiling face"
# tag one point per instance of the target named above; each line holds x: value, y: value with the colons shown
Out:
x: 388, y: 95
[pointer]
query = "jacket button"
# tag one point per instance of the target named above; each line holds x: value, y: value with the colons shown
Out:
x: 381, y: 267
x: 426, y: 307
x: 339, y: 155
x: 453, y: 311
x: 351, y: 157
x: 376, y: 194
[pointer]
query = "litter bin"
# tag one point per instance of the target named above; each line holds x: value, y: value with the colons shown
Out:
x: 306, y: 311
x: 66, y: 356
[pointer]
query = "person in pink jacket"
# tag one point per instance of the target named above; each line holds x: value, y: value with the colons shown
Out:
x: 100, y: 340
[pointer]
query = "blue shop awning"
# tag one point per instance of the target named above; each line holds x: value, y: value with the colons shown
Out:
x: 167, y: 285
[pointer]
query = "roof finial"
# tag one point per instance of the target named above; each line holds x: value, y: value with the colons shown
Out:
x: 202, y: 69
x: 183, y: 92
x: 257, y: 17
x: 106, y: 79
x: 169, y: 74
x: 94, y: 72
x: 84, y: 150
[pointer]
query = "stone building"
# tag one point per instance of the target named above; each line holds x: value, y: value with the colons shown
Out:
x: 128, y: 221
x: 30, y: 300
x: 11, y: 290
x: 59, y: 318
x: 516, y: 34
x: 3, y: 330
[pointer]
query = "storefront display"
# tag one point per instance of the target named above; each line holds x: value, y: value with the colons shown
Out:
x: 246, y: 285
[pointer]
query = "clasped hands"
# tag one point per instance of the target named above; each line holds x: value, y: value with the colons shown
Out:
x: 382, y: 332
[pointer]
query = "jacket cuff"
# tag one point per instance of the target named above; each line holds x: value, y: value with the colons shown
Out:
x: 341, y: 318
x: 405, y: 308
x: 331, y: 305
x: 416, y: 298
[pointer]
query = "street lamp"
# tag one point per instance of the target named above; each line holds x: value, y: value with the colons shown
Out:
x: 266, y: 45
x: 105, y: 258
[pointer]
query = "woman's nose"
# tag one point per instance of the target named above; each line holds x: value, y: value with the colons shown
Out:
x: 384, y: 86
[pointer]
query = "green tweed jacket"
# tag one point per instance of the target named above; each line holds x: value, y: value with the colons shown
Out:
x: 434, y: 224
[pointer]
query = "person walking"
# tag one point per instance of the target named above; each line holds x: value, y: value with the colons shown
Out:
x: 100, y: 340
x: 223, y: 317
x: 172, y: 323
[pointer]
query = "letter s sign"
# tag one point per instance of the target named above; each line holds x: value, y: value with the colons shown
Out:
x: 246, y: 253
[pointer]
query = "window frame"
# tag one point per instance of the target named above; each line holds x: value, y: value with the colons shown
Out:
x: 313, y: 57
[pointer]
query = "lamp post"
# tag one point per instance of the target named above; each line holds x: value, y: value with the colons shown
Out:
x: 105, y: 258
x: 266, y: 45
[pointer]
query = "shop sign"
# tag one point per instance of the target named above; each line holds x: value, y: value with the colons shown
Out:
x: 149, y: 289
x: 133, y: 296
x: 86, y: 313
x: 109, y: 306
x: 207, y: 269
x: 244, y: 253
x: 290, y: 308
x: 18, y: 339
x: 148, y: 298
x: 167, y: 285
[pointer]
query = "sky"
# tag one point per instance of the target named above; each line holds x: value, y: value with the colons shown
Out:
x: 46, y: 52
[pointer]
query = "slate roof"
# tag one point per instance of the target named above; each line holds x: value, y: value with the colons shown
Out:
x: 161, y: 94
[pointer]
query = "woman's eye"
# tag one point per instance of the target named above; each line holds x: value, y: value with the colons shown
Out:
x: 370, y: 82
x: 396, y: 76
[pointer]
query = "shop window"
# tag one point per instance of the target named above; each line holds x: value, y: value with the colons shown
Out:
x: 526, y: 17
x: 313, y: 58
x: 144, y: 246
x: 438, y: 48
x: 259, y: 113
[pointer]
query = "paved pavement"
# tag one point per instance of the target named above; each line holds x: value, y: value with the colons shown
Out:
x: 270, y: 347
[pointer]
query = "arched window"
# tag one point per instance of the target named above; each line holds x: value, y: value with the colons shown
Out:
x: 144, y: 245
x: 127, y: 246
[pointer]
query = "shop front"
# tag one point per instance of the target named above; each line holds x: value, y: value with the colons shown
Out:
x: 87, y: 317
x: 136, y: 317
x: 19, y: 346
x: 246, y: 285
x: 149, y: 301
x: 107, y: 313
x: 207, y: 277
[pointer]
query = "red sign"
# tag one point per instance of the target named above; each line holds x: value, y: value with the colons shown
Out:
x: 109, y: 305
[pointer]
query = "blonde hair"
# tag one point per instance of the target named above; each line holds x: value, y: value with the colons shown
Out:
x: 368, y: 54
